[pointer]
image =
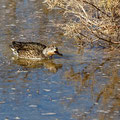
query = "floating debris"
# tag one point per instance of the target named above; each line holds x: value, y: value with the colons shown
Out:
x: 29, y: 95
x: 48, y: 114
x: 47, y: 90
x: 33, y: 106
x: 20, y: 71
x: 17, y: 118
x: 13, y: 88
x: 103, y: 111
x: 2, y: 102
x: 3, y: 6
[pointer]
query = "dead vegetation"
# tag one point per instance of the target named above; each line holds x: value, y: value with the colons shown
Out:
x: 90, y: 21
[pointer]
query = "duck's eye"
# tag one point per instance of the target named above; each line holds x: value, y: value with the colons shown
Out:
x: 56, y: 49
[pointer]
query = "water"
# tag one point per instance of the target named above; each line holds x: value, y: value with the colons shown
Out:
x: 83, y: 85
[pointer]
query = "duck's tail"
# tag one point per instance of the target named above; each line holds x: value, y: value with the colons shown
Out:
x: 13, y: 49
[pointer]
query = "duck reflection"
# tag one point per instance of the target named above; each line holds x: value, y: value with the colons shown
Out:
x: 50, y: 65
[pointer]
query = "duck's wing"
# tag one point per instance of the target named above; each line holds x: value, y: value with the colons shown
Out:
x: 27, y: 46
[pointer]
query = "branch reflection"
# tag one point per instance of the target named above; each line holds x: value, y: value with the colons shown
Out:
x: 101, y: 80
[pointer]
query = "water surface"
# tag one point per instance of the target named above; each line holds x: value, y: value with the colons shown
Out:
x: 83, y: 84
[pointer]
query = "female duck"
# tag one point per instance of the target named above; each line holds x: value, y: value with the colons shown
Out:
x: 33, y: 50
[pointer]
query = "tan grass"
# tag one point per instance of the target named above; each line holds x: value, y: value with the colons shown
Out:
x: 98, y: 19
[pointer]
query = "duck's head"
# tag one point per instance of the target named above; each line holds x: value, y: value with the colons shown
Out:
x: 51, y: 50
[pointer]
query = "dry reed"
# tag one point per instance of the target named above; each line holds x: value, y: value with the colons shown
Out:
x: 90, y: 21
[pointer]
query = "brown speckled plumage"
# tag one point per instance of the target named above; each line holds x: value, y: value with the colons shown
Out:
x: 33, y: 50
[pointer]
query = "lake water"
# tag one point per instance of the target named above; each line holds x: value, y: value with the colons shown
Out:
x: 81, y: 85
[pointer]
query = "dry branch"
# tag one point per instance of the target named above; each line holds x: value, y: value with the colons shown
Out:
x: 105, y: 28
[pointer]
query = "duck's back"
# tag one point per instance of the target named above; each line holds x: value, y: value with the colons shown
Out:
x: 30, y: 50
x: 28, y: 46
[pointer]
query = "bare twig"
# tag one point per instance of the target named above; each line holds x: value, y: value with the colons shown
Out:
x: 97, y: 8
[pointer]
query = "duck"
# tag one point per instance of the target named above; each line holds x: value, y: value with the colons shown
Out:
x: 33, y: 50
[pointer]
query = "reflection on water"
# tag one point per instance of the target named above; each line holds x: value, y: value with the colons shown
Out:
x: 93, y: 77
x: 83, y: 84
x: 48, y: 64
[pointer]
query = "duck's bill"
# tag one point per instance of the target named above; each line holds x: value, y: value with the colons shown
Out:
x: 58, y: 53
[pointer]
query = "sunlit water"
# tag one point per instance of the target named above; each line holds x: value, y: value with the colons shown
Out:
x: 79, y: 85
